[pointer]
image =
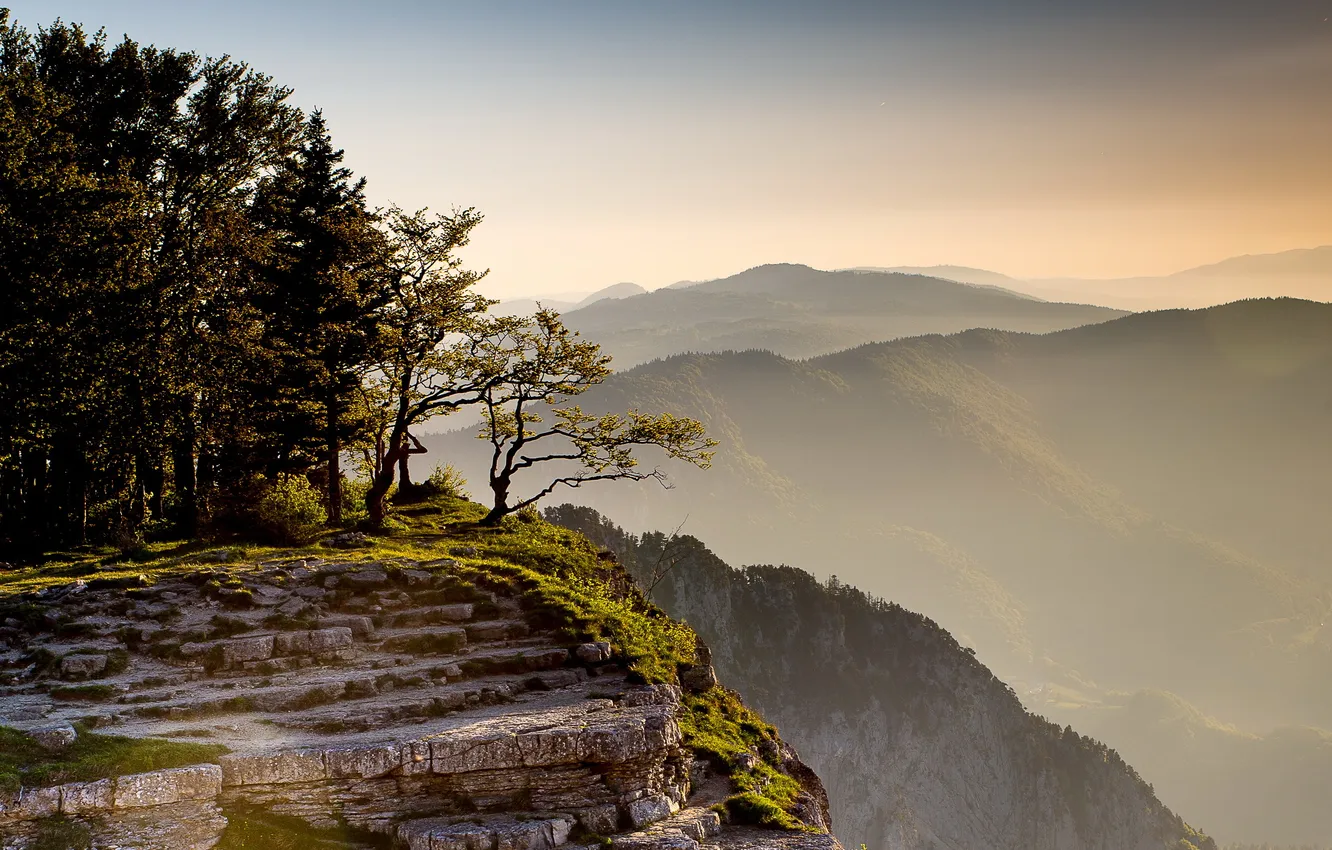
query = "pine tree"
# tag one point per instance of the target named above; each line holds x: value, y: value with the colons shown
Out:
x: 322, y: 288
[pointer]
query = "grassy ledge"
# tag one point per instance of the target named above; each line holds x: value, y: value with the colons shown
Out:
x: 24, y: 763
x: 564, y: 582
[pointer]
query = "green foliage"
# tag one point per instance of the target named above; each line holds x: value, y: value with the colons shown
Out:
x: 538, y: 364
x: 446, y: 481
x: 290, y: 509
x: 739, y: 744
x: 92, y: 756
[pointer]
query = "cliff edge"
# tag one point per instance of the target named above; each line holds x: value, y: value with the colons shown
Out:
x: 448, y: 688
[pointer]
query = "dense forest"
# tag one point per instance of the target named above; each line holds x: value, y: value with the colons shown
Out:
x: 205, y: 310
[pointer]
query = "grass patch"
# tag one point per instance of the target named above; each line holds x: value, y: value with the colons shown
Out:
x: 734, y: 739
x: 24, y: 762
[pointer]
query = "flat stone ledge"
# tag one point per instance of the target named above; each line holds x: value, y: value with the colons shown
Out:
x: 200, y: 782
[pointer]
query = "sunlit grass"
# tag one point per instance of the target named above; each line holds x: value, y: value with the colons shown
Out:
x: 25, y: 762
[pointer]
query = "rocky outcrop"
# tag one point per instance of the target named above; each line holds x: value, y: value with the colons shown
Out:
x: 384, y: 699
x: 920, y: 745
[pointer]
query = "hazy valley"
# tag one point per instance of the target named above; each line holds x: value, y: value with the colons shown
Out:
x: 1130, y: 505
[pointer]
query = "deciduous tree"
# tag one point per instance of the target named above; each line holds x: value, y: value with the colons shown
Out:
x: 529, y: 370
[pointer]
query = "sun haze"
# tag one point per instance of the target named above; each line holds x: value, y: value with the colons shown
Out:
x: 656, y: 142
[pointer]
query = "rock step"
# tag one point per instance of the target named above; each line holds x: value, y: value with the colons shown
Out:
x: 446, y: 639
x: 432, y: 616
x: 496, y: 833
x: 395, y: 708
x: 156, y: 688
x: 350, y: 687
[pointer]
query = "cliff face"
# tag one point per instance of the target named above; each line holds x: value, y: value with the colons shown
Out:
x: 510, y: 693
x: 920, y: 746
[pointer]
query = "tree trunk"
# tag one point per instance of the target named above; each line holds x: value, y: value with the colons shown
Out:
x: 500, y: 487
x: 376, y: 498
x: 334, y: 470
x: 36, y: 497
x: 404, y: 478
x: 156, y: 484
x: 183, y: 476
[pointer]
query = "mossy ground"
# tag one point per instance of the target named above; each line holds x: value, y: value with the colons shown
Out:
x: 26, y: 763
x: 563, y: 581
x: 722, y: 729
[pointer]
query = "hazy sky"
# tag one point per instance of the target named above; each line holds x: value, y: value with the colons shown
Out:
x: 654, y: 142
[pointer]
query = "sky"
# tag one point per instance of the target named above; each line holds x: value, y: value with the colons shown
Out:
x: 663, y: 141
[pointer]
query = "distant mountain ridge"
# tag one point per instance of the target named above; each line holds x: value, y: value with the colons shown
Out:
x: 798, y: 311
x: 527, y: 306
x: 1304, y: 273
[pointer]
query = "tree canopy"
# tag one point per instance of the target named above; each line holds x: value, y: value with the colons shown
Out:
x: 204, y: 307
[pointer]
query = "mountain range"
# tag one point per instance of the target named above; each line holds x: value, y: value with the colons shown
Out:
x: 1301, y: 273
x: 798, y: 311
x: 1132, y: 506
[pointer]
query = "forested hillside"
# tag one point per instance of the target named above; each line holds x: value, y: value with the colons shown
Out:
x: 921, y: 745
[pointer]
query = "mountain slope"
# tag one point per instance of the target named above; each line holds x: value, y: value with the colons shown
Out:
x: 1256, y: 788
x: 921, y: 745
x: 801, y: 312
x: 1138, y: 504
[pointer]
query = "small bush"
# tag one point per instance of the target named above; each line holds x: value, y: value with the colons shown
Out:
x: 445, y: 481
x: 528, y: 515
x: 353, y: 498
x: 290, y: 509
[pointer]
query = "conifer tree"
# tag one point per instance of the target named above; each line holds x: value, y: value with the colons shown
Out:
x: 322, y: 289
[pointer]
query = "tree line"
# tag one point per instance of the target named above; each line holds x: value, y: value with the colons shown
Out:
x: 199, y: 301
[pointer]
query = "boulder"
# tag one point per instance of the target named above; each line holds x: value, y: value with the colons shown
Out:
x: 593, y: 653
x: 162, y: 787
x: 347, y: 540
x: 82, y: 666
x: 698, y: 679
x: 55, y: 737
x: 281, y: 768
x: 87, y: 797
x: 365, y: 580
x: 648, y: 810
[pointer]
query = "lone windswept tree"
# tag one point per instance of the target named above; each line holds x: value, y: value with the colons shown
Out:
x: 421, y: 372
x: 528, y: 371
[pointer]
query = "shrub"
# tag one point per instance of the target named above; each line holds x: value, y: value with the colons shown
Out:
x: 445, y: 481
x: 353, y: 498
x: 290, y: 509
